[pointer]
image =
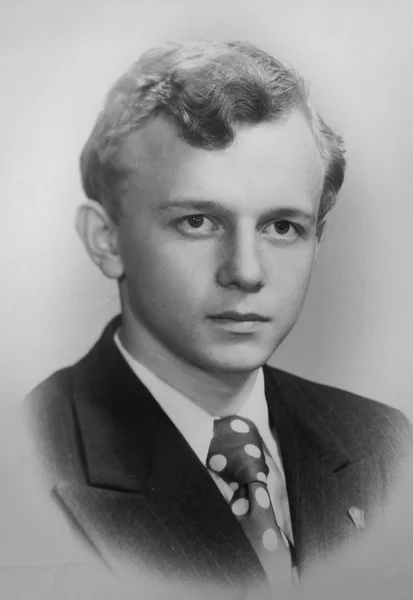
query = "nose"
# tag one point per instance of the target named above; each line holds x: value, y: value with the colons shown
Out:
x: 241, y: 266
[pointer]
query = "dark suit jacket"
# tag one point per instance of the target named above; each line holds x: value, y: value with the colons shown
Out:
x: 135, y: 488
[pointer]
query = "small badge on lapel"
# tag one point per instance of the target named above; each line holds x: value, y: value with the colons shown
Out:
x: 357, y: 516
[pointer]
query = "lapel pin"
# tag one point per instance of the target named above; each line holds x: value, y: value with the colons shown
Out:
x: 357, y: 516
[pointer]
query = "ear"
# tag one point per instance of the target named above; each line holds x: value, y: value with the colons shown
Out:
x: 99, y: 235
x: 320, y: 237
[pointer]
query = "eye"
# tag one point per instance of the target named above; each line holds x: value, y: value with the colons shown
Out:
x: 196, y: 221
x: 196, y: 225
x: 282, y: 229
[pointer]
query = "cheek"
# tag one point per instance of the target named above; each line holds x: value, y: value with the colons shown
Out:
x: 292, y: 263
x: 291, y: 276
x: 160, y: 272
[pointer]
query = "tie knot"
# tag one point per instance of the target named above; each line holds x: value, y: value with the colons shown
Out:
x: 236, y: 452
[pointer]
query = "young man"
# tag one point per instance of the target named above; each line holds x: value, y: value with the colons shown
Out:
x: 171, y: 443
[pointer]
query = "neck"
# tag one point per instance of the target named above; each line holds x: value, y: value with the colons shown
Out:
x: 218, y: 393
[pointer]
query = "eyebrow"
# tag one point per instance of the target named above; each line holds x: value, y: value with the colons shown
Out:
x: 279, y: 212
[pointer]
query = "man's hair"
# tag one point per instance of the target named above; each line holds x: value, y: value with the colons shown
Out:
x: 206, y: 90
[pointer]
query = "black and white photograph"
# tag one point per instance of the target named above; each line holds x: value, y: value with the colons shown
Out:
x: 207, y: 300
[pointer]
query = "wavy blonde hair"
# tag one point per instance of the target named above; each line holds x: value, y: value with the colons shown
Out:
x: 205, y: 89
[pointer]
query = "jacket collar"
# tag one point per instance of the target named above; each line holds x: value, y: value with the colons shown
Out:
x: 295, y: 419
x: 324, y: 479
x: 103, y: 389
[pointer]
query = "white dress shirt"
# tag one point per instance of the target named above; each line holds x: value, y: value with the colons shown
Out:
x: 196, y: 426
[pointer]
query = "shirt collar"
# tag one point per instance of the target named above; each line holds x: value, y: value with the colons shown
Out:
x: 194, y: 423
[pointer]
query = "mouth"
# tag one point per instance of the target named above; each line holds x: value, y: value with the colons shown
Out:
x: 237, y: 317
x: 235, y: 323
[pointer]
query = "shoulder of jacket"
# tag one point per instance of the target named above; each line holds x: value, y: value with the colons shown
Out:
x: 339, y: 403
x: 51, y: 422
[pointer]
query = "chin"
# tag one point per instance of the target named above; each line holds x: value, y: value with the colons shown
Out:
x: 243, y: 360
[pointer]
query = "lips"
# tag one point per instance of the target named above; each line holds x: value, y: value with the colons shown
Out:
x: 237, y: 316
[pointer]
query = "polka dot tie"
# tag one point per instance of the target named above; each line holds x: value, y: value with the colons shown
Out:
x: 237, y: 456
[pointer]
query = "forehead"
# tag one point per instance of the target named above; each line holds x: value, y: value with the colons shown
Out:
x: 265, y: 161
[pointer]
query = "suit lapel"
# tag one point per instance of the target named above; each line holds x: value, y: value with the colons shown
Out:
x: 323, y: 481
x: 143, y: 476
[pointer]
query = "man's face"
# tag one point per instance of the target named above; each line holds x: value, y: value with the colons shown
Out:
x: 218, y: 246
